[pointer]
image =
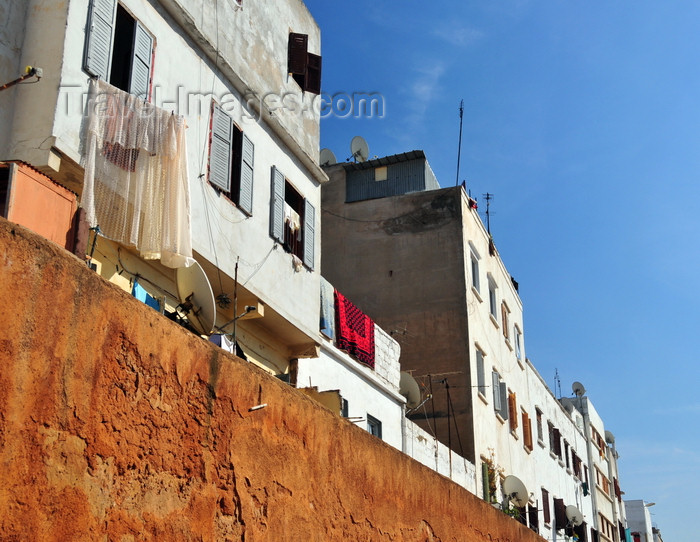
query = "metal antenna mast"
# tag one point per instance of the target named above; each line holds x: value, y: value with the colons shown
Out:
x: 459, y: 149
x: 488, y: 197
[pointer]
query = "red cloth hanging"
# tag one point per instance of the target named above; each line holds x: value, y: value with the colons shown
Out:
x: 354, y: 330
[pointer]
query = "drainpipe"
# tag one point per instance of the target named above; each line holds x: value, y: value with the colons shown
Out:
x: 591, y: 465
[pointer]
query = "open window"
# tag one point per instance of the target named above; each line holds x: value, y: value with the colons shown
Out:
x: 231, y: 157
x: 305, y: 67
x: 292, y: 219
x: 374, y: 426
x: 118, y: 49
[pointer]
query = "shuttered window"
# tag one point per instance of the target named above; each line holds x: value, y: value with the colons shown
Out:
x: 545, y: 506
x: 504, y: 400
x: 292, y: 219
x: 118, y: 49
x: 527, y: 430
x: 480, y: 376
x: 305, y: 67
x: 560, y: 514
x: 496, y: 386
x: 512, y: 411
x: 231, y: 160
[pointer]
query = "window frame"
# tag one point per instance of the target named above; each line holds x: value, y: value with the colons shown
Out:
x: 231, y: 163
x: 480, y: 371
x: 374, y: 426
x: 103, y: 26
x: 304, y: 67
x: 475, y: 269
x: 277, y: 223
x: 493, y: 299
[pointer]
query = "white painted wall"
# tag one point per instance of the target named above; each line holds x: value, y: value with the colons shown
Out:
x: 639, y: 519
x: 253, y: 49
x: 367, y: 391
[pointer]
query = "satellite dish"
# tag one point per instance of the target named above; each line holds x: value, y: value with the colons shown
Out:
x: 359, y: 149
x: 609, y: 437
x: 408, y: 387
x: 196, y: 297
x: 567, y: 404
x: 515, y: 491
x: 574, y: 515
x: 327, y: 158
x: 578, y: 389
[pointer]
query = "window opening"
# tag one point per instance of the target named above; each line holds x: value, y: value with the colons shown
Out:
x: 374, y: 426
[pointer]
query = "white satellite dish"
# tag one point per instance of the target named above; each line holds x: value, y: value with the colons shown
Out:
x: 574, y: 515
x: 327, y: 158
x: 196, y: 297
x: 578, y: 389
x: 359, y: 149
x: 567, y: 404
x: 408, y: 387
x: 609, y: 437
x: 515, y: 491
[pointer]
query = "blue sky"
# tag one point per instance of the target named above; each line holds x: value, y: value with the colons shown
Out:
x: 583, y: 120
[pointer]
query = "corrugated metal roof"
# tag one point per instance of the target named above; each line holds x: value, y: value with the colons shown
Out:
x: 387, y: 160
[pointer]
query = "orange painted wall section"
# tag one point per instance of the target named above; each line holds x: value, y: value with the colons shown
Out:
x: 117, y: 424
x: 43, y: 206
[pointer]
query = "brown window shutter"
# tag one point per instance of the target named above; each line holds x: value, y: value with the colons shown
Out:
x: 560, y: 514
x: 296, y: 55
x: 545, y: 506
x: 313, y: 73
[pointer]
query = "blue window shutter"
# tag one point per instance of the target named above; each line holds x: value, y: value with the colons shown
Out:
x: 220, y: 150
x: 140, y: 79
x: 277, y: 205
x: 98, y: 38
x: 245, y: 200
x: 495, y: 385
x: 309, y: 218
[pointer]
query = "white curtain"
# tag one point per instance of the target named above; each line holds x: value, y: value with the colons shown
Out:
x: 136, y: 188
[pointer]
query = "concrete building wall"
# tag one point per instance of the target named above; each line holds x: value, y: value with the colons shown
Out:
x: 400, y: 259
x: 116, y: 423
x: 639, y: 519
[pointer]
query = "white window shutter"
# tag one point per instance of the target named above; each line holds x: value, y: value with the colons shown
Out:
x: 220, y: 151
x: 140, y: 78
x: 245, y: 198
x: 309, y: 218
x: 98, y: 38
x: 277, y: 205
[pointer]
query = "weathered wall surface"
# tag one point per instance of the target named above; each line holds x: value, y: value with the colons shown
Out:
x: 116, y: 424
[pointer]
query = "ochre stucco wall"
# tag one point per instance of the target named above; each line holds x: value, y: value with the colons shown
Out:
x: 116, y: 424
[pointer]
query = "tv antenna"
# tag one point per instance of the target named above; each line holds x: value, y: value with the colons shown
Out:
x: 459, y: 147
x: 488, y: 197
x: 359, y: 149
x: 557, y: 382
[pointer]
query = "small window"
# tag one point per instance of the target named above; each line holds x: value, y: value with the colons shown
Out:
x: 475, y: 271
x: 231, y: 156
x: 480, y: 374
x: 305, y: 67
x: 545, y: 506
x: 512, y: 411
x: 344, y: 408
x: 518, y: 338
x: 374, y: 426
x: 380, y: 173
x: 292, y: 219
x: 493, y: 304
x: 118, y: 49
x: 527, y: 430
x: 500, y: 396
x: 540, y: 436
x: 505, y: 311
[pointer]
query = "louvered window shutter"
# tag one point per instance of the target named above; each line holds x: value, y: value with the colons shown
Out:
x: 220, y: 151
x: 140, y: 78
x: 277, y: 205
x: 495, y: 384
x: 245, y: 200
x: 98, y: 40
x: 545, y: 506
x: 480, y: 377
x: 296, y: 54
x: 560, y: 514
x: 313, y: 73
x: 309, y: 228
x: 504, y: 400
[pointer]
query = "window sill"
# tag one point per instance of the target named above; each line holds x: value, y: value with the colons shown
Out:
x: 494, y: 321
x: 569, y: 471
x: 527, y: 449
x: 500, y: 418
x: 520, y: 362
x: 552, y: 455
x: 510, y: 346
x: 515, y: 434
x: 483, y: 398
x: 561, y: 463
x: 540, y: 442
x: 602, y: 492
x: 477, y: 294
